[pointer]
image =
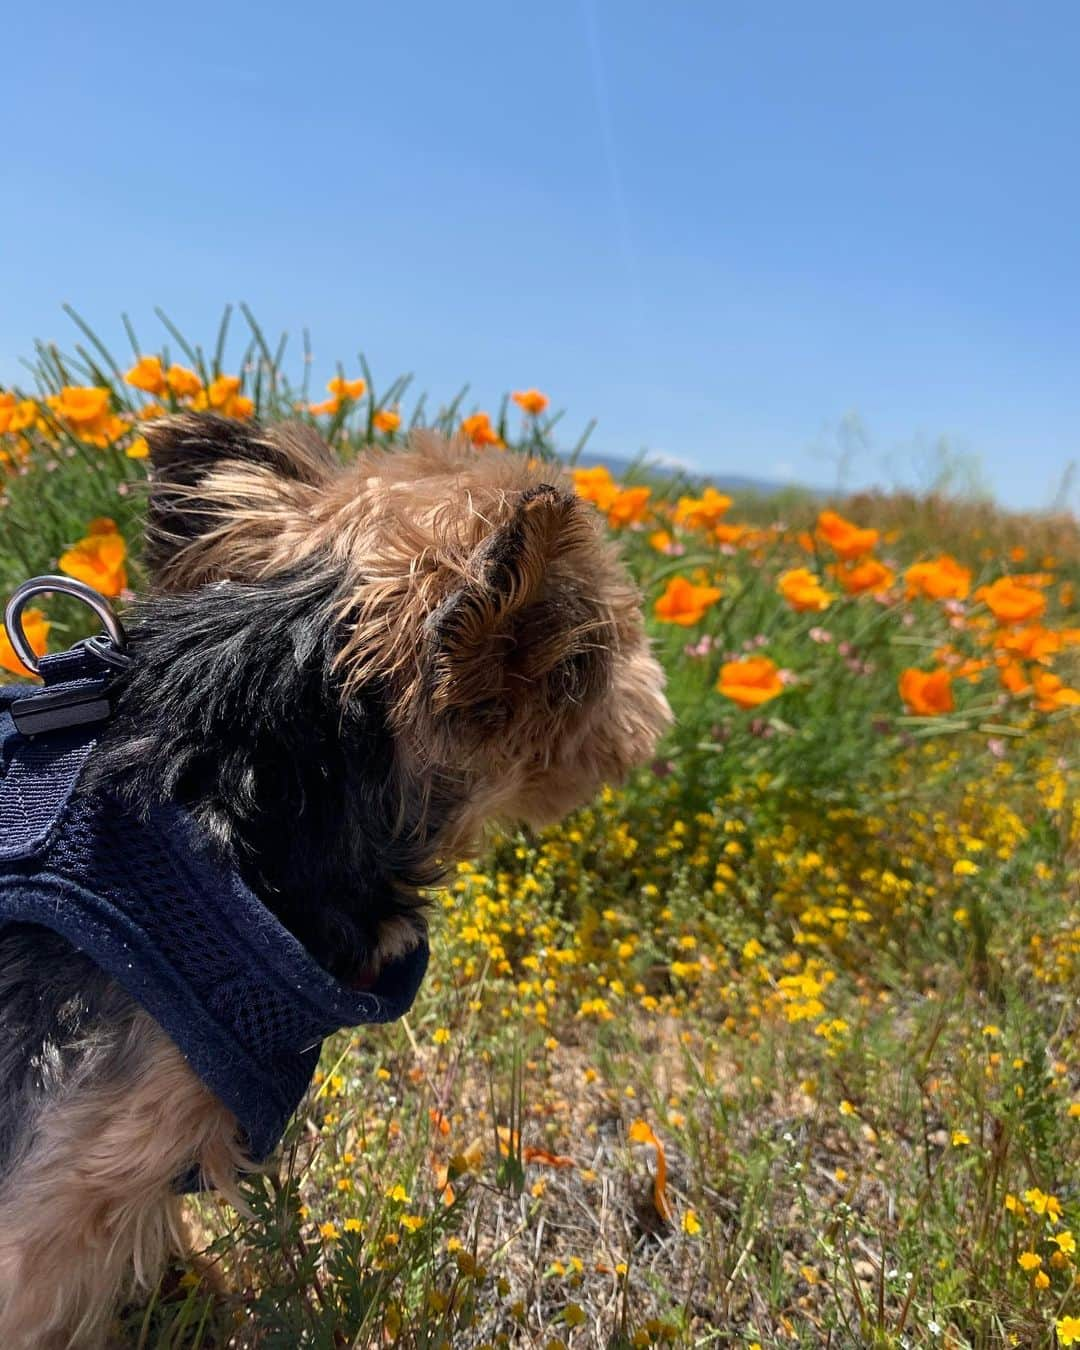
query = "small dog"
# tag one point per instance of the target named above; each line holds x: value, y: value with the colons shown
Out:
x: 343, y: 671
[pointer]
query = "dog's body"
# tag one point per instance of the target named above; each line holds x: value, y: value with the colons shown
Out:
x: 343, y: 672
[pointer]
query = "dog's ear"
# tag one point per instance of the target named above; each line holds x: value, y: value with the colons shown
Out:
x: 213, y: 478
x: 517, y: 619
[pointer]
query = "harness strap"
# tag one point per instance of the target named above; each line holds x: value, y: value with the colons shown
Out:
x: 40, y: 771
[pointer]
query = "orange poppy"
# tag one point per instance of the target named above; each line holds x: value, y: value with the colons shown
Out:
x: 629, y: 506
x: 751, y: 682
x: 479, y: 430
x: 98, y: 559
x: 146, y: 374
x: 928, y: 693
x: 847, y: 540
x: 342, y: 388
x: 868, y: 575
x: 386, y: 420
x: 684, y: 603
x: 530, y: 401
x: 702, y: 512
x: 803, y: 591
x: 1011, y: 602
x: 642, y: 1133
x: 596, y: 485
x: 35, y: 628
x: 184, y: 383
x: 940, y: 578
x: 1052, y: 693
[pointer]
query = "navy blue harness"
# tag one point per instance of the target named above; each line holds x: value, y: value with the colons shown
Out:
x: 149, y: 902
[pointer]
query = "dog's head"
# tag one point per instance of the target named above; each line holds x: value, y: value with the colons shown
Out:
x: 471, y: 591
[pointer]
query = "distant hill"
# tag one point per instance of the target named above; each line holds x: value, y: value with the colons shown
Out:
x: 735, y: 483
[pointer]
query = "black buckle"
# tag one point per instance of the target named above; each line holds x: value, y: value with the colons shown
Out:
x: 58, y: 709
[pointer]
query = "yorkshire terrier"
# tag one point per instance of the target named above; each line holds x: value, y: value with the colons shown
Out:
x: 342, y: 671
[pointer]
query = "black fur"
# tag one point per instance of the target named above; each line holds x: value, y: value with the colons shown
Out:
x: 233, y: 708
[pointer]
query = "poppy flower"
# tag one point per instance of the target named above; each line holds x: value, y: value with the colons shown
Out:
x: 184, y: 383
x: 927, y: 693
x: 35, y: 628
x: 596, y: 485
x: 629, y: 506
x: 684, y: 603
x: 704, y: 512
x: 1052, y: 693
x: 751, y: 682
x: 342, y: 388
x: 845, y: 539
x: 868, y: 575
x: 146, y: 374
x: 479, y: 430
x: 530, y: 401
x: 98, y: 559
x: 387, y: 420
x: 642, y: 1133
x: 803, y: 591
x: 940, y: 578
x: 1011, y: 602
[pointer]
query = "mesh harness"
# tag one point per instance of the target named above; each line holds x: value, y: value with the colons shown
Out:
x: 148, y: 901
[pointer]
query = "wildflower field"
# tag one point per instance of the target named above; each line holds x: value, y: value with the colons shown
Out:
x: 775, y: 1046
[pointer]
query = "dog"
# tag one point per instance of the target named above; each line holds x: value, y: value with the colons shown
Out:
x: 342, y: 671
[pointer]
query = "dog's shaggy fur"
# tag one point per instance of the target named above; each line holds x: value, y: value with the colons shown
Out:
x: 343, y: 671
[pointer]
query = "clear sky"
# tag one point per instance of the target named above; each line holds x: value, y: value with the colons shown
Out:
x: 725, y: 229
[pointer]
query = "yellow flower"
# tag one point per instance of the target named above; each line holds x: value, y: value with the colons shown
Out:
x: 98, y: 559
x: 964, y: 867
x: 35, y: 628
x: 441, y: 1036
x: 691, y: 1224
x: 803, y: 591
x: 1041, y: 1280
x: 411, y: 1221
x: 1068, y: 1330
x: 138, y: 449
x: 1065, y: 1241
x: 1042, y: 1203
x: 846, y: 1108
x: 960, y: 1139
x: 751, y: 682
x: 387, y: 420
x: 146, y: 374
x: 353, y: 1225
x: 329, y: 1232
x: 1029, y: 1260
x: 399, y: 1194
x: 530, y: 401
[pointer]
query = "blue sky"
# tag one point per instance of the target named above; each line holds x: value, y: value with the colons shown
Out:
x: 721, y: 228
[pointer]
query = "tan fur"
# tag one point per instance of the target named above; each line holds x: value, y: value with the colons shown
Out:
x: 90, y: 1211
x: 407, y: 530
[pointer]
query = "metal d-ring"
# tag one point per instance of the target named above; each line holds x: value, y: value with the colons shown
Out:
x: 78, y: 590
